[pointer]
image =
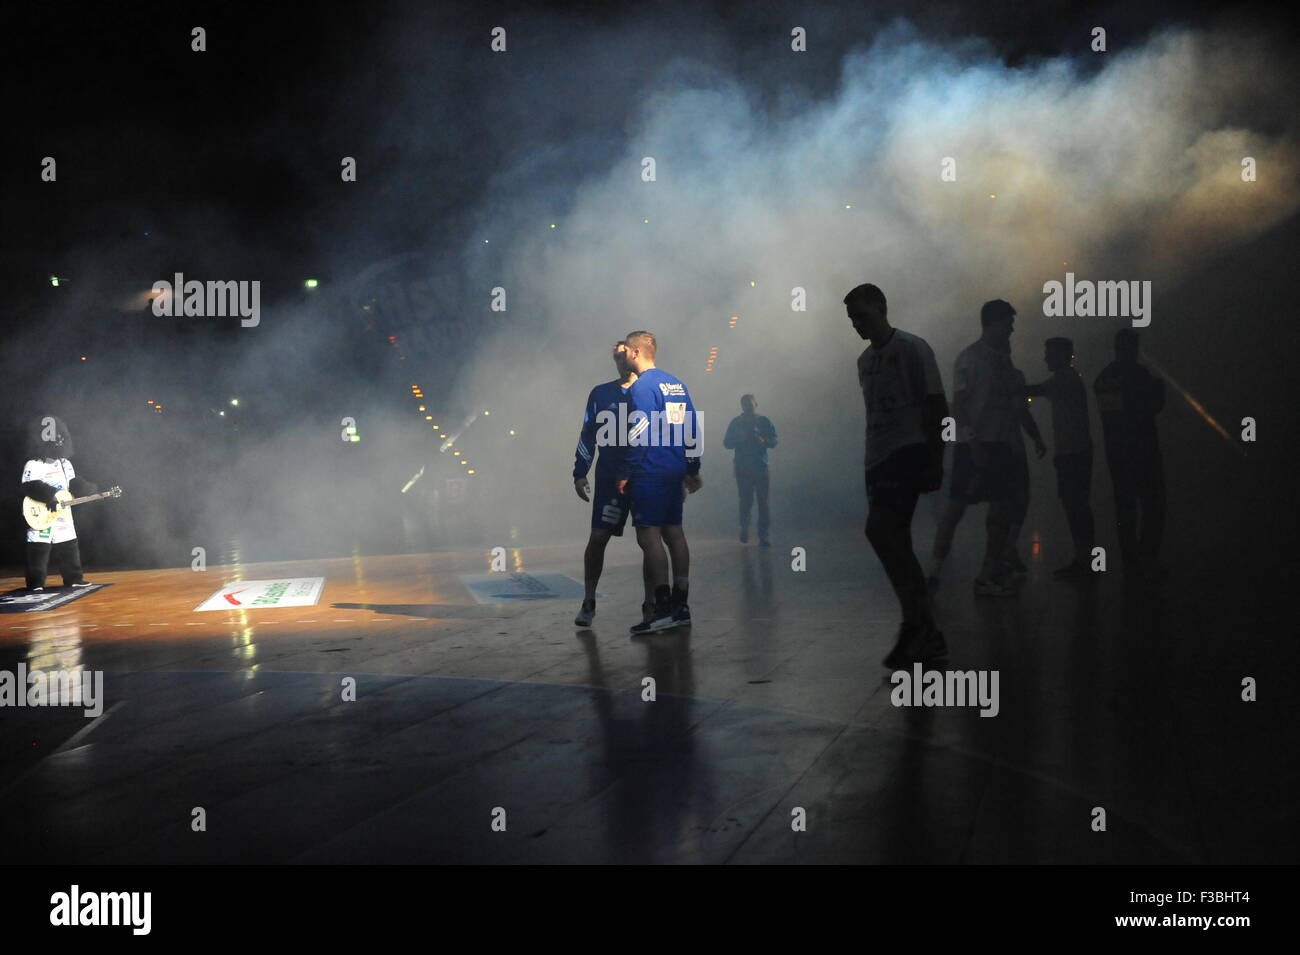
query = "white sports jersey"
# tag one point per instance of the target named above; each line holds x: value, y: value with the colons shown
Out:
x: 58, y: 474
x: 896, y: 379
x: 990, y: 381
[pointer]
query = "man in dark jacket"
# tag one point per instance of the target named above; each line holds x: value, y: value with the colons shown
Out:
x: 750, y: 435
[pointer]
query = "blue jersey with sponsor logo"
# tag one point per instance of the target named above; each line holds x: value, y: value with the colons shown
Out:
x: 663, y: 433
x: 603, y: 398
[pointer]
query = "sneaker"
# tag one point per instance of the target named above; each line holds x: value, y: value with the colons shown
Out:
x: 994, y: 587
x: 744, y: 535
x: 681, y: 611
x: 662, y: 620
x: 585, y: 615
x: 85, y: 583
x: 931, y: 647
x: 36, y: 590
x: 915, y: 646
x: 902, y: 653
x: 661, y: 617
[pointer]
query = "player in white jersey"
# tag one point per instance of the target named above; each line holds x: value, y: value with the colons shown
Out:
x: 48, y: 471
x: 989, y: 413
x: 904, y: 459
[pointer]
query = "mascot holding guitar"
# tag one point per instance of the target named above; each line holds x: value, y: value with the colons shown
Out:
x: 47, y: 478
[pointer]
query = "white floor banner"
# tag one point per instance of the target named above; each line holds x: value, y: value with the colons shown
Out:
x: 264, y: 594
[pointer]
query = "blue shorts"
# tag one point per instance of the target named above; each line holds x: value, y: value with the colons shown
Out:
x: 608, y: 507
x: 656, y: 501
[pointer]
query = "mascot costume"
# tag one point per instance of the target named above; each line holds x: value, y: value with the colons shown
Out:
x: 47, y: 472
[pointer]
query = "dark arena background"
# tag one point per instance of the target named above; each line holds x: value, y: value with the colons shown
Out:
x: 430, y: 224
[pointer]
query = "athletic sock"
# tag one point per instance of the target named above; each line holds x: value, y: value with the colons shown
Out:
x: 663, y: 597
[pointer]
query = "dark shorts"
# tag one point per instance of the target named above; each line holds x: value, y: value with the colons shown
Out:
x: 1073, y: 475
x: 895, y: 483
x: 994, y: 482
x: 657, y: 501
x: 609, y: 509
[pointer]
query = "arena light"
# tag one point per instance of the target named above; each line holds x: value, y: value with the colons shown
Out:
x: 311, y: 283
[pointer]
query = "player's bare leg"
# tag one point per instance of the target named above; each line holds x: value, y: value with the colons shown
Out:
x: 680, y: 554
x: 891, y: 538
x: 593, y: 560
x: 949, y: 518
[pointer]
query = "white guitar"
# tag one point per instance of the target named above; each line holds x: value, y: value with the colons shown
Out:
x: 40, y: 516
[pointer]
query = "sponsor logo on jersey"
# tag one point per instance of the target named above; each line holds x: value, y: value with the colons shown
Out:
x: 675, y: 388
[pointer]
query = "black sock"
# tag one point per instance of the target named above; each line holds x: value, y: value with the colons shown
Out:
x: 663, y: 597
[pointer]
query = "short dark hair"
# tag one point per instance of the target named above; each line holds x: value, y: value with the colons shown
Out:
x: 867, y: 294
x: 750, y: 397
x: 1060, y: 344
x: 995, y: 310
x: 643, y: 340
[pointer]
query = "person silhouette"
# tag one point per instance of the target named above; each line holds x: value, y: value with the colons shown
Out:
x: 1129, y: 397
x: 905, y: 408
x: 750, y: 435
x: 1072, y: 457
x: 609, y: 508
x: 990, y: 414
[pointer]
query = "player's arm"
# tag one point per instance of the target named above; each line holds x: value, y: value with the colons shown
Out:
x: 1030, y: 427
x: 634, y: 441
x: 694, y: 448
x: 586, y: 452
x: 40, y: 491
x: 769, y: 432
x: 36, y: 489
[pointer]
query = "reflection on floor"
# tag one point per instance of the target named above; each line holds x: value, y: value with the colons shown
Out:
x: 771, y: 709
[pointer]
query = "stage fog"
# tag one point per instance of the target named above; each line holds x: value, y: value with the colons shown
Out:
x: 427, y: 391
